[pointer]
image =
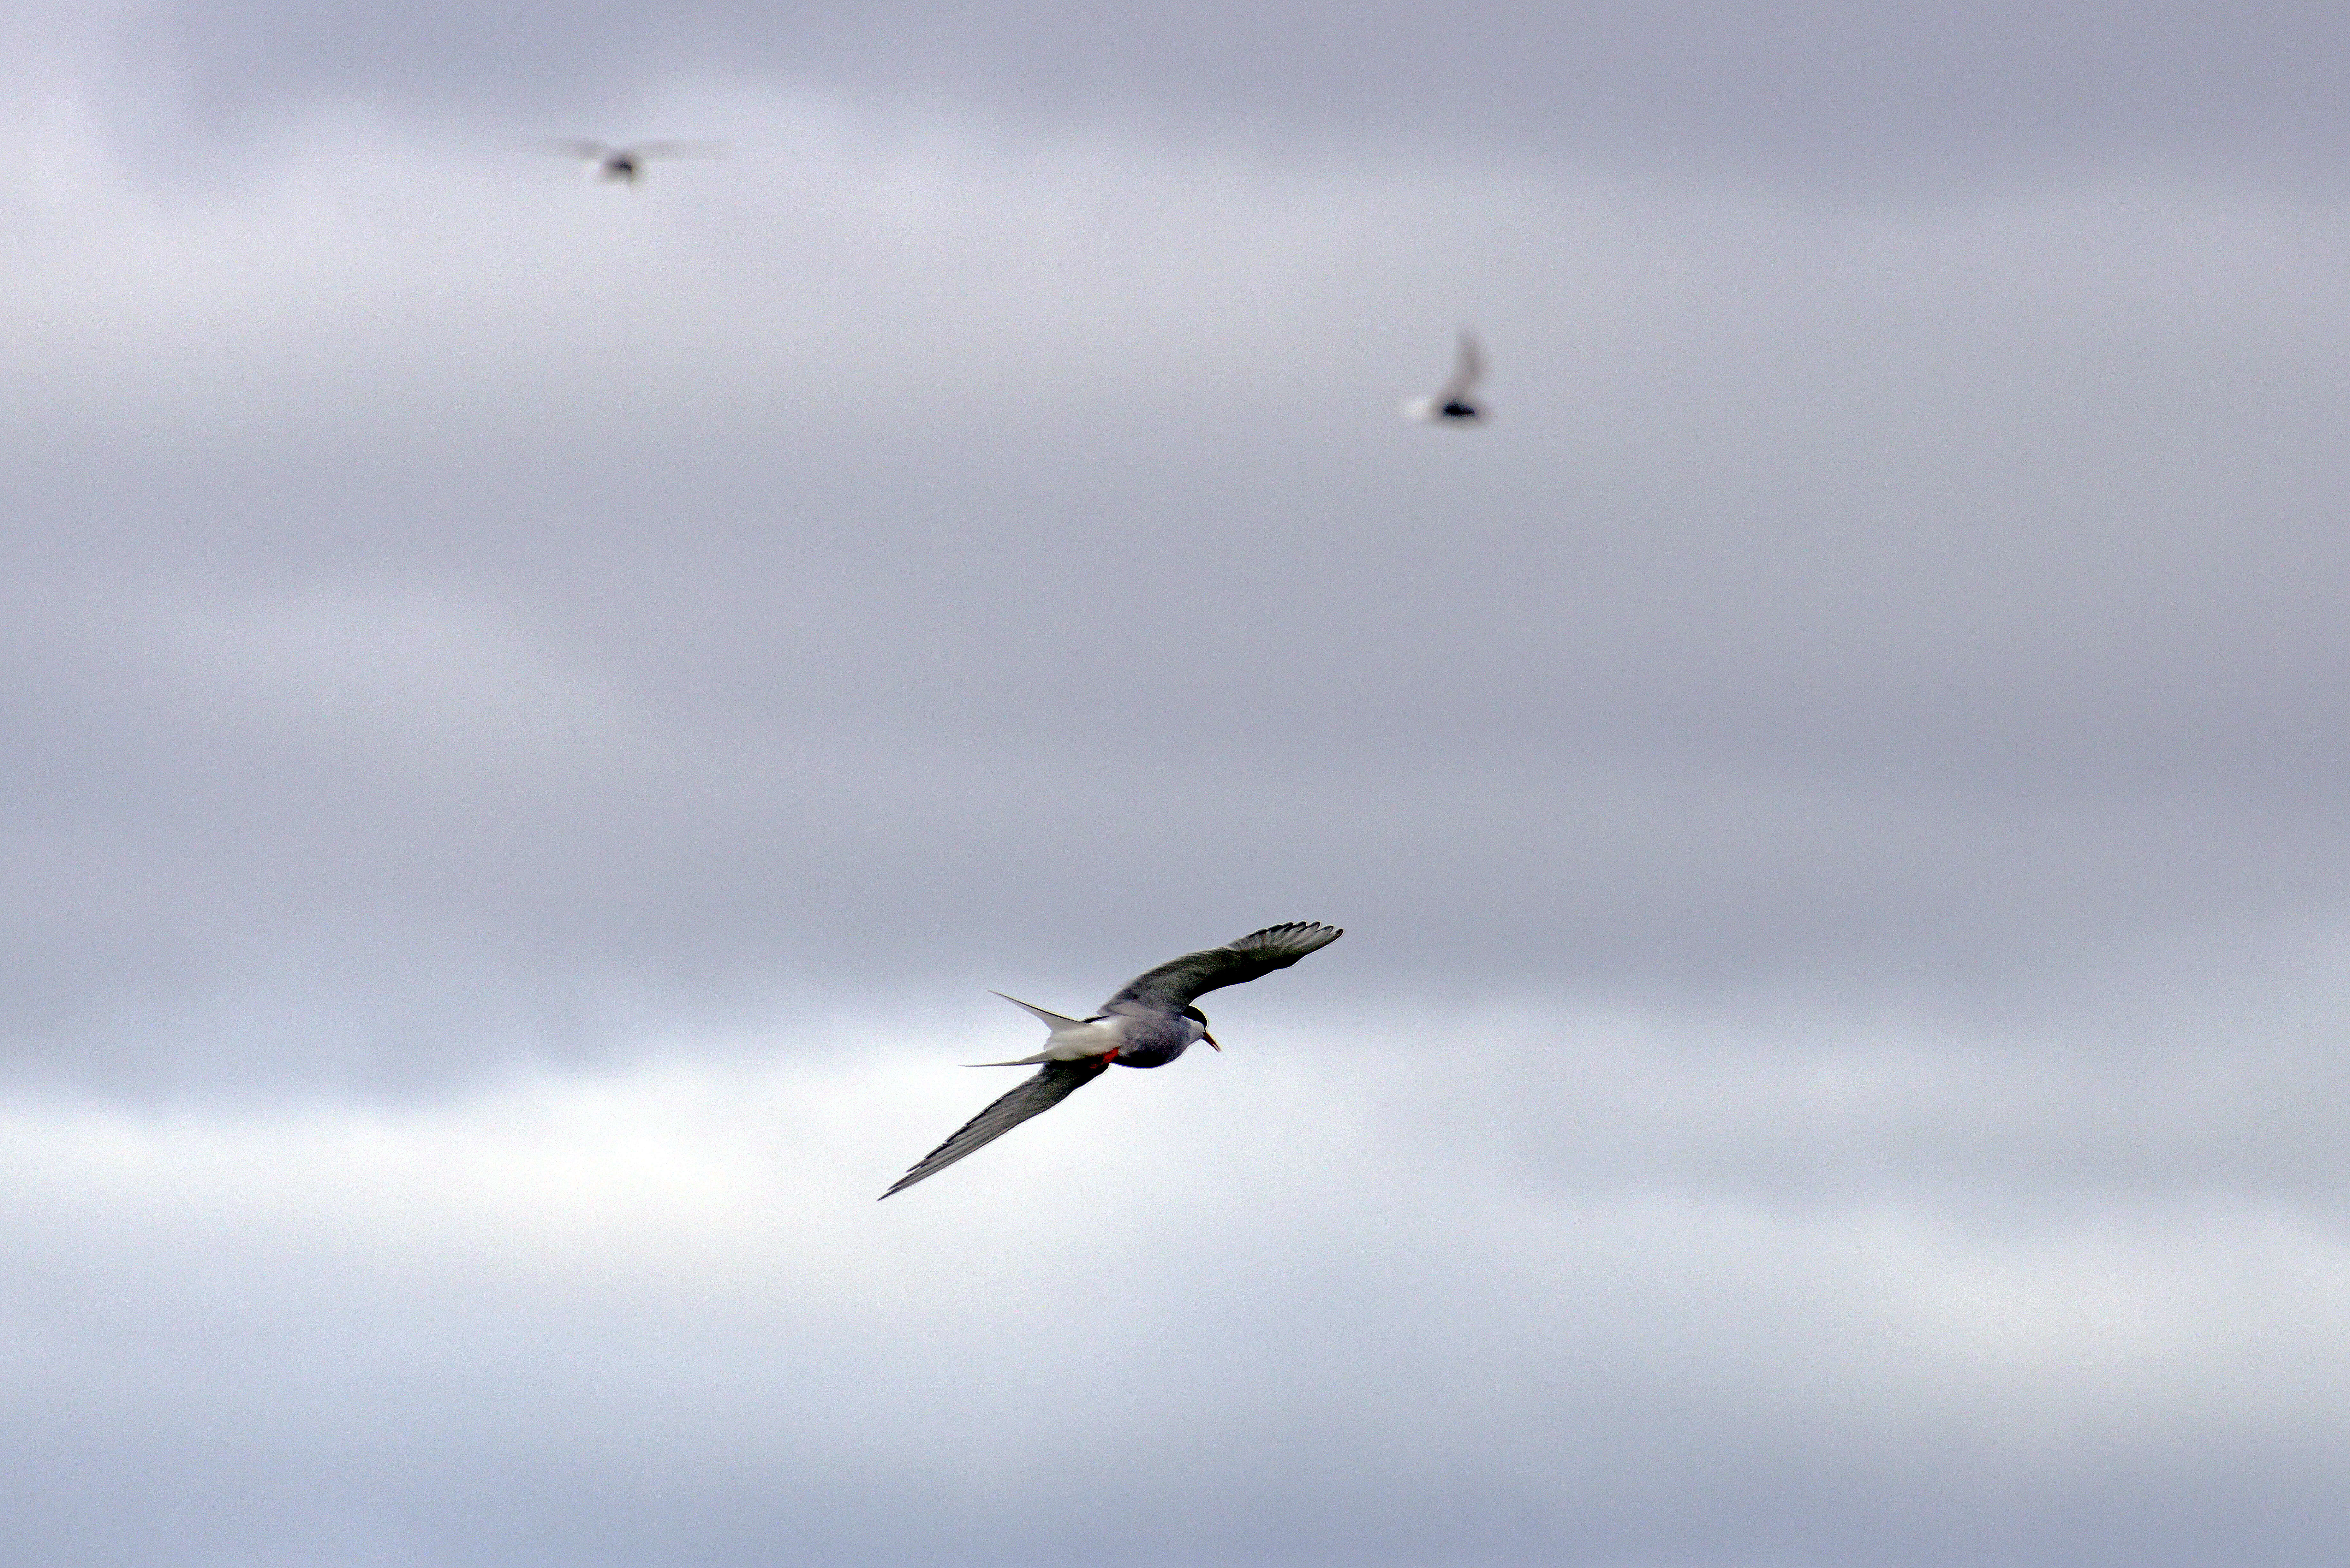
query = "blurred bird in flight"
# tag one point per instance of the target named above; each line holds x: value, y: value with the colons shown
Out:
x: 1455, y: 403
x: 625, y: 165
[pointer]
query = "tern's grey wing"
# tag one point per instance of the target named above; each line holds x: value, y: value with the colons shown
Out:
x: 1467, y: 369
x: 1057, y: 1082
x: 573, y: 147
x: 680, y: 150
x: 1172, y: 987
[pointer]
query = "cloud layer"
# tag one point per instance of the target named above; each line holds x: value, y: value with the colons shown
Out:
x: 1273, y: 1310
x: 538, y: 712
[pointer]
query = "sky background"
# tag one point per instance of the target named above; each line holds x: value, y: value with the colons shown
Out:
x: 535, y: 712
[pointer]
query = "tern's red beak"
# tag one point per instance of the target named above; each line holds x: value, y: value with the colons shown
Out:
x: 1210, y: 1039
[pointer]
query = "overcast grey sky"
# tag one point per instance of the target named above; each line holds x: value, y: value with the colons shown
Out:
x: 538, y: 711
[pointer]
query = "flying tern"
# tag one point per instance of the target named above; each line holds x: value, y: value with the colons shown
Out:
x: 625, y: 165
x: 1455, y: 402
x: 1147, y: 1025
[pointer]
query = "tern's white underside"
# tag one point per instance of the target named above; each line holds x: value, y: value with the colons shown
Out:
x: 1072, y: 1039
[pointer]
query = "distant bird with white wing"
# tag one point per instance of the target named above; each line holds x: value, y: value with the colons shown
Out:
x: 625, y: 165
x: 1147, y: 1025
x: 1455, y: 403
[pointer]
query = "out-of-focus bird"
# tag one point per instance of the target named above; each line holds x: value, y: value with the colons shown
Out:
x: 1455, y: 402
x: 625, y: 165
x: 1147, y: 1025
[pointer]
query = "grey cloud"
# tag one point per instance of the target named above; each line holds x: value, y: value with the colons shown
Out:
x: 536, y: 714
x: 1866, y: 95
x: 631, y: 1319
x: 711, y: 601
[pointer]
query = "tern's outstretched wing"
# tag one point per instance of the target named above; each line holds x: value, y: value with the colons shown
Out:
x: 1049, y: 1087
x: 1172, y: 987
x: 1467, y: 369
x: 573, y: 147
x: 680, y: 150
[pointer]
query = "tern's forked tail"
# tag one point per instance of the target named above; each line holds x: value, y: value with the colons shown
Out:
x: 1052, y: 1020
